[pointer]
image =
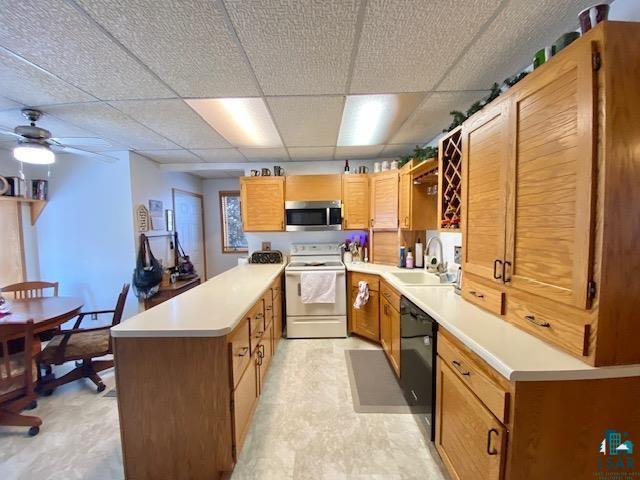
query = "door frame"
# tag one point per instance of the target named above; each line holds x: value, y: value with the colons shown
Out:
x: 201, y: 198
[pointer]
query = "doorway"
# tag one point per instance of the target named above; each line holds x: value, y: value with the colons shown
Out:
x: 188, y: 210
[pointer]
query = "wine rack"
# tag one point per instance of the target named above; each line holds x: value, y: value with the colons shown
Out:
x: 450, y: 180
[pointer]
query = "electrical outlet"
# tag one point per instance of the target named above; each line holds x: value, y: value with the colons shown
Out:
x: 94, y: 316
x: 457, y: 254
x: 266, y: 246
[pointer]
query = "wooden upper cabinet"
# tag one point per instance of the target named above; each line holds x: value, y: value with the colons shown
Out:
x: 404, y: 208
x: 384, y: 199
x: 484, y: 158
x: 308, y: 188
x: 355, y: 198
x: 550, y: 178
x: 262, y: 203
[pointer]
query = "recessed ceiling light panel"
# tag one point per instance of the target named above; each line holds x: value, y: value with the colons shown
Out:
x: 372, y: 119
x: 243, y: 122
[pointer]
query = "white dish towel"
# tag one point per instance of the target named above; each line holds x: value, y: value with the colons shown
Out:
x: 318, y: 287
x: 363, y: 295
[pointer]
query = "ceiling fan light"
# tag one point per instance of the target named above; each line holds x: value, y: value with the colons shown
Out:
x: 34, y: 153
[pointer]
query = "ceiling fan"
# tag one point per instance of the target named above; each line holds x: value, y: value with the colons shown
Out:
x: 35, y: 145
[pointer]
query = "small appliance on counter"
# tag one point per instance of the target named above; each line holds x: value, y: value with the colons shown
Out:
x: 266, y: 256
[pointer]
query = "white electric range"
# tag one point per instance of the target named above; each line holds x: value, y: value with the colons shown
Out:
x: 315, y: 320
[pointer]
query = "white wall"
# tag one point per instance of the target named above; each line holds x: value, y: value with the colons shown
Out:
x: 217, y: 262
x: 627, y: 10
x: 84, y: 235
x: 150, y: 182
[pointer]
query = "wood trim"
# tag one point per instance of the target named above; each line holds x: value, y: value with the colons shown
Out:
x: 204, y: 225
x: 313, y: 187
x: 227, y: 193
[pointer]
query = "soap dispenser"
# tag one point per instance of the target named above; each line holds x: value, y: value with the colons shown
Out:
x: 419, y: 256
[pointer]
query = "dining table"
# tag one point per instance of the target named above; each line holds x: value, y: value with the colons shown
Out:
x: 47, y: 313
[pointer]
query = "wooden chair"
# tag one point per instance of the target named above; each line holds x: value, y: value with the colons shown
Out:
x: 30, y: 289
x: 17, y: 378
x: 82, y: 345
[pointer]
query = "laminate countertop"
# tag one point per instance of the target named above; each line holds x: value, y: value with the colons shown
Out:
x: 514, y: 353
x: 212, y: 309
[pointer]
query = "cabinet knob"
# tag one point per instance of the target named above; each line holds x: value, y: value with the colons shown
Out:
x: 243, y: 351
x: 476, y: 294
x: 497, y: 262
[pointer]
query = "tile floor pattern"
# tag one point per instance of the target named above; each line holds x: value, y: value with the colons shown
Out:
x: 304, y: 428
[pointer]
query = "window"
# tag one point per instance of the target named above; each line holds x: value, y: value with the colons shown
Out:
x: 233, y: 238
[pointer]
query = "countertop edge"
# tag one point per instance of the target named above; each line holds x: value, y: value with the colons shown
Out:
x: 588, y: 373
x: 119, y: 331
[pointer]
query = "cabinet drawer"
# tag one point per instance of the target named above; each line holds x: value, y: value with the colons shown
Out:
x: 268, y: 308
x: 563, y: 326
x: 372, y: 280
x: 390, y: 295
x: 276, y: 287
x: 471, y: 373
x: 486, y: 297
x: 256, y: 324
x: 239, y: 349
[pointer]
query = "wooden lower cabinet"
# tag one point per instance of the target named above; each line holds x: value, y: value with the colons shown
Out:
x: 385, y: 326
x: 244, y: 402
x: 469, y: 439
x: 390, y: 325
x: 366, y: 320
x: 488, y: 427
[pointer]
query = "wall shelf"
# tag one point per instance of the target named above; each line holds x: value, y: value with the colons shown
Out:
x: 450, y: 181
x: 35, y: 206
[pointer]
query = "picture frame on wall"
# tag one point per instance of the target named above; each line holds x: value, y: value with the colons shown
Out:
x: 156, y: 212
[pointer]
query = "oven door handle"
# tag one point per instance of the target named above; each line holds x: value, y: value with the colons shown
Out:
x: 297, y: 274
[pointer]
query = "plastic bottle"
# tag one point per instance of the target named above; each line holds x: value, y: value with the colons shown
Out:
x: 403, y: 256
x: 419, y: 257
x: 409, y: 259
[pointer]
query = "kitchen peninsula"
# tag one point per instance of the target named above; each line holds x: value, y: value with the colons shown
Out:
x: 189, y: 374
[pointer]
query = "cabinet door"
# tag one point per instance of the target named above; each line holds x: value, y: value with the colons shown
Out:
x: 384, y: 200
x: 394, y: 318
x: 366, y: 321
x: 262, y: 203
x: 385, y: 326
x: 471, y: 442
x: 355, y: 197
x: 484, y: 158
x: 404, y: 209
x: 265, y: 353
x: 277, y: 321
x: 550, y: 208
x: 245, y: 397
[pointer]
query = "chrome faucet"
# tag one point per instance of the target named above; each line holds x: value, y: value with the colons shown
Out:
x: 441, y: 266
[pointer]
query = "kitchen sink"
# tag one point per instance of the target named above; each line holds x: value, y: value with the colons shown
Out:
x: 424, y: 278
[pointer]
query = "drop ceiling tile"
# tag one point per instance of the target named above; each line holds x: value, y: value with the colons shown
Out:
x: 175, y: 120
x: 29, y: 85
x: 432, y: 116
x: 509, y: 42
x: 111, y: 124
x: 300, y: 154
x: 220, y: 155
x: 170, y: 156
x: 65, y: 42
x: 392, y: 151
x: 187, y: 44
x: 297, y: 46
x: 6, y: 104
x: 367, y: 151
x: 307, y: 121
x: 265, y: 154
x: 408, y: 46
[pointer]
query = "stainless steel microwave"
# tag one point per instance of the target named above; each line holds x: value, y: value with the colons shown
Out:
x: 313, y: 216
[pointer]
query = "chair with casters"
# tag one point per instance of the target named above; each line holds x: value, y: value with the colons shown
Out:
x: 17, y: 378
x: 30, y: 289
x: 82, y: 345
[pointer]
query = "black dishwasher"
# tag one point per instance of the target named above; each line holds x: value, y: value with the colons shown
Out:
x: 418, y: 361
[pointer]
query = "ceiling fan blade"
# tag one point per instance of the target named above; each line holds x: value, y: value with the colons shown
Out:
x: 4, y: 131
x: 98, y: 156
